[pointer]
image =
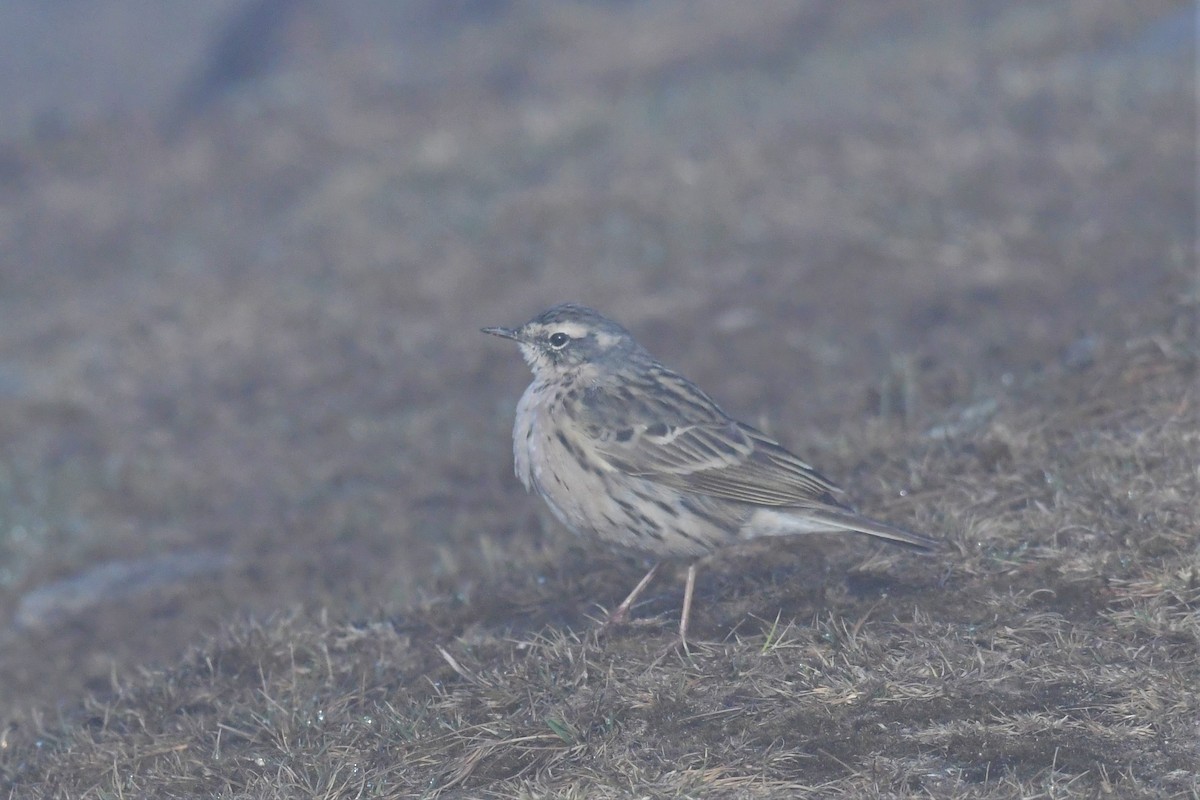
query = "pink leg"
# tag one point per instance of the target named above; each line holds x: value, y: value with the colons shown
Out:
x: 689, y: 589
x: 622, y: 611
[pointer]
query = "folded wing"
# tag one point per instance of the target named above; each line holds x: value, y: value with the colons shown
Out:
x: 678, y: 437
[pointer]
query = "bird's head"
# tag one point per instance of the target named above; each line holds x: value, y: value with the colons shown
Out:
x: 568, y: 338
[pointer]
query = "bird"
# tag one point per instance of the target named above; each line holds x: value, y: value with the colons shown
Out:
x: 627, y: 451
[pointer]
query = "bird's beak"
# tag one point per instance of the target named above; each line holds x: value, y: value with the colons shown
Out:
x: 507, y: 333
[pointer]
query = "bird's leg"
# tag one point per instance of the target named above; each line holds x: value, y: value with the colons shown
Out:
x: 622, y: 611
x: 689, y: 589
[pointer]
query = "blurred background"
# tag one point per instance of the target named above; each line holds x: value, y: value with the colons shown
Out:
x: 246, y: 247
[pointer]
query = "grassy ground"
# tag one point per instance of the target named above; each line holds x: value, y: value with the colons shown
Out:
x: 259, y: 535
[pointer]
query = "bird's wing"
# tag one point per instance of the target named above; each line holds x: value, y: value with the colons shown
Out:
x: 675, y: 435
x: 731, y: 461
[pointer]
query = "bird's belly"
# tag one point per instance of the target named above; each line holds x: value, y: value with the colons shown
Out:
x: 593, y: 499
x: 573, y: 489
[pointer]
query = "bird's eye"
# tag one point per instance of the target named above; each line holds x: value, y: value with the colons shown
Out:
x: 559, y: 340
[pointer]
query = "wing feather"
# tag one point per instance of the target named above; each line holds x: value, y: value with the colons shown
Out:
x: 672, y: 433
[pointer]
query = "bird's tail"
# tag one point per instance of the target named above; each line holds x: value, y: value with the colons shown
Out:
x: 853, y: 521
x: 780, y: 522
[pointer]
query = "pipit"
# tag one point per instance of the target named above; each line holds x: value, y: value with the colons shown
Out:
x: 624, y: 449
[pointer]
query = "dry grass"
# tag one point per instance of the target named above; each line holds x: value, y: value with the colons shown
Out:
x: 1053, y: 650
x: 258, y: 531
